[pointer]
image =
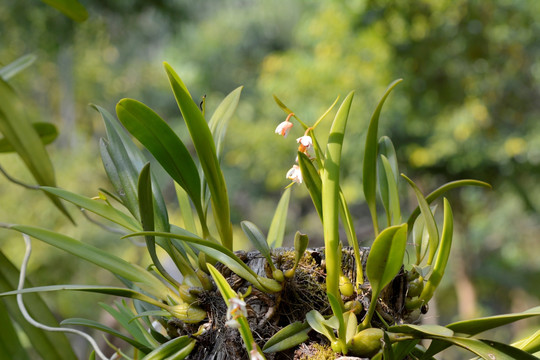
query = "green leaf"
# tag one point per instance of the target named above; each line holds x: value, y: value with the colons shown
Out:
x: 99, y: 326
x: 49, y: 345
x: 258, y: 240
x: 71, y: 8
x: 158, y: 137
x: 335, y: 304
x: 223, y: 255
x: 392, y: 196
x: 443, y: 189
x: 171, y: 347
x: 313, y: 181
x: 101, y: 258
x: 291, y: 335
x: 10, y: 346
x: 488, y: 349
x: 97, y: 207
x: 330, y: 196
x: 318, y: 323
x: 228, y: 293
x: 124, y: 316
x: 422, y: 330
x: 108, y: 290
x: 442, y: 256
x: 47, y: 132
x: 206, y: 150
x: 429, y: 220
x: 475, y: 326
x: 146, y: 209
x: 276, y: 232
x: 16, y: 66
x: 530, y: 344
x: 127, y: 152
x: 121, y: 173
x: 370, y: 158
x: 384, y: 261
x: 221, y: 117
x: 351, y: 326
x: 19, y: 132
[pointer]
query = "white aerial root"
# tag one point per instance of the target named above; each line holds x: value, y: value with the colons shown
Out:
x: 27, y: 316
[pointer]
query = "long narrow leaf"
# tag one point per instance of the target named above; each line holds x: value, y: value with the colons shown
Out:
x: 157, y: 136
x: 206, y: 150
x: 221, y: 117
x: 97, y: 207
x: 276, y: 232
x: 47, y: 132
x: 313, y: 182
x: 71, y: 8
x: 442, y: 256
x: 258, y: 240
x: 330, y: 196
x: 19, y: 132
x: 99, y: 326
x: 429, y: 219
x: 223, y: 255
x: 370, y: 158
x: 288, y: 337
x: 441, y: 191
x: 99, y: 257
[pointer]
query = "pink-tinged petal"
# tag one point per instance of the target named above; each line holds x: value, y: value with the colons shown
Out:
x: 295, y: 174
x: 283, y: 128
x: 305, y: 141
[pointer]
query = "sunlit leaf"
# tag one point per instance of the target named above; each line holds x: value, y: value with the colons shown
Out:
x: 171, y: 348
x: 276, y: 231
x: 370, y: 158
x: 422, y: 330
x: 431, y: 225
x: 206, y: 150
x: 392, y: 202
x: 530, y: 344
x: 443, y: 189
x: 220, y: 119
x: 291, y: 335
x: 384, y: 261
x: 442, y: 256
x: 330, y: 196
x: 318, y: 323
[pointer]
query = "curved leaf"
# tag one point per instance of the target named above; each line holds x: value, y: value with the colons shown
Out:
x: 221, y: 117
x: 102, y: 258
x: 256, y: 237
x: 206, y: 150
x: 97, y: 207
x: 19, y: 132
x: 370, y: 158
x: 288, y: 337
x: 276, y: 231
x: 313, y: 181
x: 429, y: 221
x: 16, y: 66
x: 170, y: 348
x: 158, y: 137
x: 443, y: 189
x: 99, y: 326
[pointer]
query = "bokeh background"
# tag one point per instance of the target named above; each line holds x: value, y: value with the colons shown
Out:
x: 469, y: 107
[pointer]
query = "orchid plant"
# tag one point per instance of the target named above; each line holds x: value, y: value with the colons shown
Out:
x: 168, y: 317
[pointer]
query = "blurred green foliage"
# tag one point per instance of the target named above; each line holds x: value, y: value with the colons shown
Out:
x: 468, y: 108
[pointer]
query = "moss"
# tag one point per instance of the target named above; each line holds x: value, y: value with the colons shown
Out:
x: 314, y: 351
